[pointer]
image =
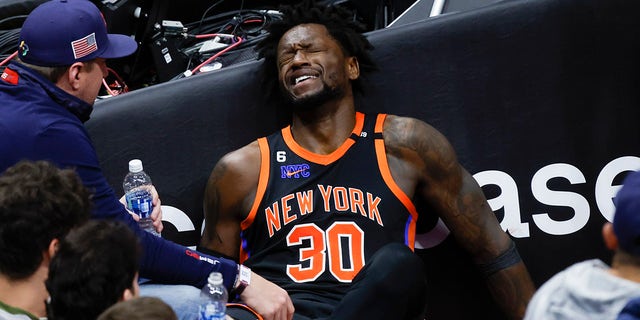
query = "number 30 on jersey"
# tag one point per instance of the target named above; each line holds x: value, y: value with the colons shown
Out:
x: 342, y: 241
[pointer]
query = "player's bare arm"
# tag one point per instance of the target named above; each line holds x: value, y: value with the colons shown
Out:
x: 227, y: 201
x: 424, y: 164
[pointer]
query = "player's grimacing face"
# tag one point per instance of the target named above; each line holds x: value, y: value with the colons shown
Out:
x: 311, y: 64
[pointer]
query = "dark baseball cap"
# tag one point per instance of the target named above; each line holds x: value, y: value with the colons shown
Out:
x: 626, y: 220
x: 61, y: 32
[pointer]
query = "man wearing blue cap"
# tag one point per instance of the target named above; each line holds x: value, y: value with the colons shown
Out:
x: 48, y: 93
x: 591, y: 289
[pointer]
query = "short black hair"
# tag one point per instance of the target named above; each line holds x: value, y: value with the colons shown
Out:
x: 342, y: 25
x: 141, y: 308
x: 38, y: 203
x: 92, y: 268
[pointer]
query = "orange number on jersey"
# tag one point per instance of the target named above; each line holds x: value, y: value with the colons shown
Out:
x: 316, y: 252
x: 355, y: 240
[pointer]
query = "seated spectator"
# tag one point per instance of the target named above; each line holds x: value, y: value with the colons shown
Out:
x: 142, y: 308
x: 47, y: 93
x: 39, y: 204
x: 95, y: 266
x: 591, y: 289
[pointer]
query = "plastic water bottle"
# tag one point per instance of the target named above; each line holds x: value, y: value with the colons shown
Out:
x: 215, y: 294
x: 137, y: 189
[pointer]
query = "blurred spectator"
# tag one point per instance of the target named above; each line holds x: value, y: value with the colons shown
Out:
x: 591, y: 289
x: 142, y: 308
x: 95, y: 266
x: 39, y: 204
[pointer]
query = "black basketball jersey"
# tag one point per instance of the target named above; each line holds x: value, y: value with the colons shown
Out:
x: 319, y: 218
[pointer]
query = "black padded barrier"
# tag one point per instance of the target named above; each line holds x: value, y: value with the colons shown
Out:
x: 540, y: 98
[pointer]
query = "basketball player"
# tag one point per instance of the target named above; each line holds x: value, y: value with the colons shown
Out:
x: 324, y: 208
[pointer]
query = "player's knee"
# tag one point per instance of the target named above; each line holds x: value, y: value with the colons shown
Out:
x: 400, y: 265
x: 401, y: 259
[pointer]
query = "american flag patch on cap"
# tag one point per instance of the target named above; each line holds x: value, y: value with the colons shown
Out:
x: 84, y: 46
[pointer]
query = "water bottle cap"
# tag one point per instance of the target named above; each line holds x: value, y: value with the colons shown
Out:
x: 215, y: 278
x: 135, y: 165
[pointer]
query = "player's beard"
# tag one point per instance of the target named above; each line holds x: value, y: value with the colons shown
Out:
x: 315, y: 100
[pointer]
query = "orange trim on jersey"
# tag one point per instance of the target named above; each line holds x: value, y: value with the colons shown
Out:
x: 323, y: 159
x: 383, y: 165
x: 254, y: 313
x: 380, y: 122
x: 260, y: 191
x: 262, y: 182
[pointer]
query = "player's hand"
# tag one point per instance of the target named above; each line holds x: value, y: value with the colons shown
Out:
x: 269, y: 300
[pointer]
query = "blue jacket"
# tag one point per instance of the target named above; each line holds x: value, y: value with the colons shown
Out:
x: 39, y: 121
x: 631, y: 310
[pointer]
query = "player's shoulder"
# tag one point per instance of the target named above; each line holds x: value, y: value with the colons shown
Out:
x: 239, y: 158
x: 403, y: 135
x: 402, y: 130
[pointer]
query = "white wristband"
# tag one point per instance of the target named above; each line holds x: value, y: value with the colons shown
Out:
x: 242, y: 280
